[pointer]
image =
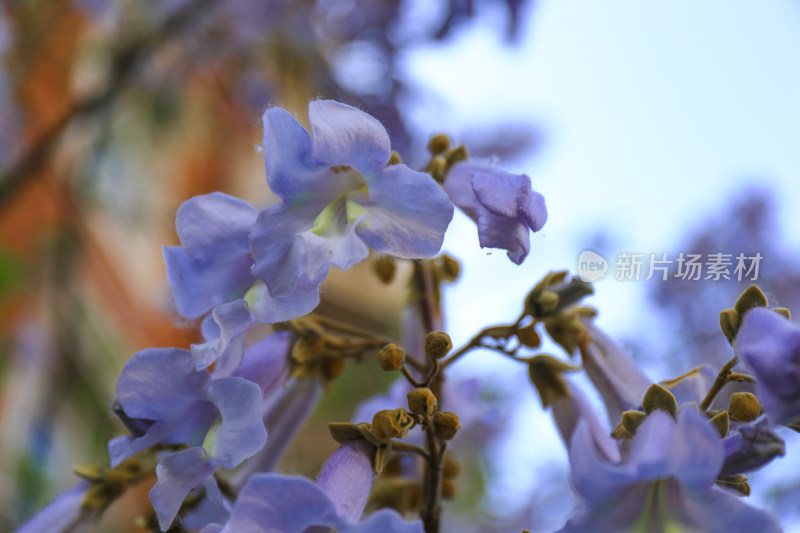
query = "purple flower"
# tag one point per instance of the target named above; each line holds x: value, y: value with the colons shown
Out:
x: 502, y: 204
x: 219, y: 418
x: 290, y: 504
x: 769, y: 346
x: 666, y: 483
x: 339, y: 198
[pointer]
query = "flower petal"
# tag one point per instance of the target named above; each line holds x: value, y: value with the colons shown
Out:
x: 696, y: 454
x: 269, y: 310
x: 593, y: 477
x: 769, y: 344
x: 178, y: 473
x: 405, y: 214
x: 618, y: 380
x: 265, y: 362
x: 212, y: 264
x: 234, y: 320
x: 241, y: 433
x: 344, y: 135
x: 346, y: 477
x: 64, y: 514
x: 751, y: 446
x: 275, y: 503
x: 159, y: 382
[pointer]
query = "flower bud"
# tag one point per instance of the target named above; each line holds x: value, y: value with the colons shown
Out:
x: 446, y: 424
x: 744, y: 406
x: 390, y: 424
x: 449, y: 489
x: 421, y: 401
x: 449, y: 268
x: 384, y: 267
x: 391, y: 357
x: 437, y: 344
x: 657, y: 397
x: 451, y: 467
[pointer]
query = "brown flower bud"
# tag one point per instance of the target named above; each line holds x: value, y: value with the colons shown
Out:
x: 421, y: 401
x: 744, y: 406
x: 384, y: 267
x: 449, y: 489
x: 390, y: 424
x: 451, y: 467
x: 391, y: 357
x: 437, y: 344
x: 446, y: 425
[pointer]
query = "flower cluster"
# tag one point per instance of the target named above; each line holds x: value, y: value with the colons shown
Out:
x: 212, y: 422
x: 236, y: 399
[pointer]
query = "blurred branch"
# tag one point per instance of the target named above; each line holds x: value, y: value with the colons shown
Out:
x: 125, y: 63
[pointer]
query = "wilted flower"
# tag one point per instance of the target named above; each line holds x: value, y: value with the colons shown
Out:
x: 502, y: 204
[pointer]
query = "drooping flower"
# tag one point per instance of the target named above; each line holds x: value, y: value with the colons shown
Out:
x: 339, y: 198
x: 293, y: 504
x: 502, y: 204
x: 769, y: 345
x: 665, y: 484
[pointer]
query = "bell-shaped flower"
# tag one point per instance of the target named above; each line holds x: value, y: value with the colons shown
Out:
x: 292, y: 504
x: 666, y: 483
x: 769, y: 345
x: 503, y: 205
x: 338, y: 199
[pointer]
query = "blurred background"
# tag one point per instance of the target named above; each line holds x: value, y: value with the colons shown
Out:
x: 669, y: 127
